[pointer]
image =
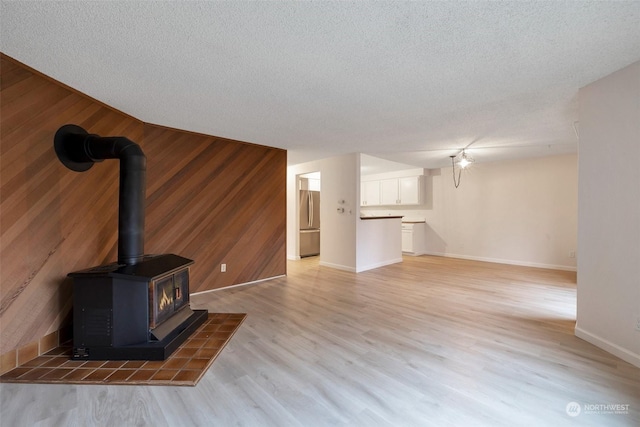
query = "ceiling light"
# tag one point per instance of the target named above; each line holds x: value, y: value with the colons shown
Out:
x: 463, y: 163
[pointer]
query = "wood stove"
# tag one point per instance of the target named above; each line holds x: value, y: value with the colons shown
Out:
x: 133, y: 312
x: 138, y: 307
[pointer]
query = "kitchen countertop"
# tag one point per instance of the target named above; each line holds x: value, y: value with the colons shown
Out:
x: 413, y: 222
x: 381, y: 217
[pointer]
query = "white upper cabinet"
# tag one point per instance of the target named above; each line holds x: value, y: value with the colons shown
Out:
x: 410, y: 190
x: 370, y: 193
x: 392, y: 191
x: 389, y: 192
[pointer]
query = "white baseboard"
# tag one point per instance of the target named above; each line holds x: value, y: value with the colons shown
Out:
x: 608, y: 346
x: 338, y: 266
x: 506, y: 261
x: 415, y: 253
x: 361, y: 269
x: 378, y: 264
x: 238, y: 285
x: 293, y: 257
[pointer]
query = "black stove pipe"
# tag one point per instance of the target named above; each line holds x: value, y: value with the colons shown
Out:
x: 79, y: 150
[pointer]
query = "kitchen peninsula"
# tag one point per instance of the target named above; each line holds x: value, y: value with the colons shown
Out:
x: 379, y: 241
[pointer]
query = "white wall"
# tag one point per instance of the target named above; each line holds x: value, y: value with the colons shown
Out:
x: 340, y: 181
x: 609, y: 214
x: 379, y: 243
x: 521, y: 212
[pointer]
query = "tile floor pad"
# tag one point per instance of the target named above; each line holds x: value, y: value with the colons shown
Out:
x: 184, y: 367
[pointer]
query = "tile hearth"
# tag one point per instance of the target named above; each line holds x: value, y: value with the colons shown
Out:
x: 184, y: 367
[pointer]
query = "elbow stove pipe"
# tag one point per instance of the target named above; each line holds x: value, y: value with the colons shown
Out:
x: 78, y: 150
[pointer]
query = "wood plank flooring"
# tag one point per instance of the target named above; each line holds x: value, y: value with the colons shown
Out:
x: 428, y: 342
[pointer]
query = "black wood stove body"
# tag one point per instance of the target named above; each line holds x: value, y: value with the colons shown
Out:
x: 138, y: 307
x: 133, y: 312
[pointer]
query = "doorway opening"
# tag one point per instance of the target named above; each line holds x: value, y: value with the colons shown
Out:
x: 309, y: 214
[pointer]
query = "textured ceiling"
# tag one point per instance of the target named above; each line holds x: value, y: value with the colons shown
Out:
x: 411, y: 82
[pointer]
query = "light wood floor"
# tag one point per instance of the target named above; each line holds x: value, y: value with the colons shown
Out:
x: 429, y: 342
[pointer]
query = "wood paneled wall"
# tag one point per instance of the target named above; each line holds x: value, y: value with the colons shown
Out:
x: 216, y: 201
x: 210, y: 199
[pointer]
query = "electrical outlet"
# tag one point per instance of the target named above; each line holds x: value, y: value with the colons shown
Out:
x: 572, y: 254
x: 223, y: 268
x: 637, y: 323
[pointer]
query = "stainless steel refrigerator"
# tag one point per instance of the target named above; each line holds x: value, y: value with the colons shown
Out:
x: 309, y: 223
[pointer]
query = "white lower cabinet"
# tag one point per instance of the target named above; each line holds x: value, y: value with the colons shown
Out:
x: 413, y: 239
x: 407, y: 240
